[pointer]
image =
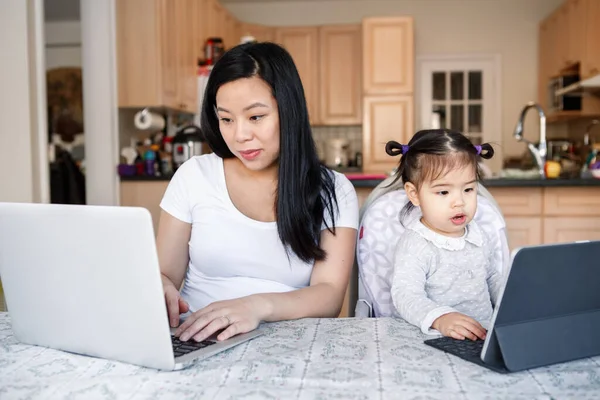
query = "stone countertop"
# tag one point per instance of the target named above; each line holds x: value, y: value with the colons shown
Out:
x: 370, y: 181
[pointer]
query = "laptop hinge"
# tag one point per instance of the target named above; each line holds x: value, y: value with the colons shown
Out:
x: 549, y: 341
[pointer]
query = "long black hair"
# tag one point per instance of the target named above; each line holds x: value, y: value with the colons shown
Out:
x: 305, y: 188
x: 432, y: 152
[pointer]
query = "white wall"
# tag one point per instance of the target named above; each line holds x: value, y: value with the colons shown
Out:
x: 505, y: 27
x: 63, y: 44
x: 23, y: 163
x: 100, y: 110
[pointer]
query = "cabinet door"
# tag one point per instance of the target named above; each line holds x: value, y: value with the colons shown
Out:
x: 187, y: 56
x: 563, y: 37
x: 302, y: 44
x: 170, y: 50
x: 523, y: 231
x: 571, y: 229
x: 146, y: 194
x: 138, y: 63
x: 576, y: 15
x: 591, y: 63
x: 340, y: 80
x: 200, y: 27
x: 260, y: 32
x: 216, y: 19
x: 385, y: 118
x: 388, y: 55
x: 232, y: 37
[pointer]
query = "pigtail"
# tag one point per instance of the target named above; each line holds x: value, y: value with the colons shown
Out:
x: 393, y: 148
x: 486, y: 151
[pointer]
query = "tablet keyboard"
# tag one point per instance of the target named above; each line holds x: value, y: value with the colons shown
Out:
x: 466, y: 349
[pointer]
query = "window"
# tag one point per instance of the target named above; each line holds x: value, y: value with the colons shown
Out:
x: 461, y: 93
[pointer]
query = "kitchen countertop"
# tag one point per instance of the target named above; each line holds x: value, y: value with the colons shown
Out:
x: 370, y: 181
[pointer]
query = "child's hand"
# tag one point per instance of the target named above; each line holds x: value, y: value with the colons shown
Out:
x: 459, y: 326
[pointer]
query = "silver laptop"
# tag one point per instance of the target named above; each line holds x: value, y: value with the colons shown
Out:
x: 86, y: 279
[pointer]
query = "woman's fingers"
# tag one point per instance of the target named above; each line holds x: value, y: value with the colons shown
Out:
x: 172, y: 301
x: 215, y: 325
x: 183, y: 306
x: 231, y: 331
x: 194, y: 327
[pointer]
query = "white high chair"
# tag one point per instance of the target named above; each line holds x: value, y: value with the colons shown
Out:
x: 378, y: 234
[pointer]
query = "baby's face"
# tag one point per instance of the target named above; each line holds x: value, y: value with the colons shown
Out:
x: 449, y: 203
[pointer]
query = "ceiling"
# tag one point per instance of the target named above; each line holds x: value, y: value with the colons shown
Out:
x: 61, y: 10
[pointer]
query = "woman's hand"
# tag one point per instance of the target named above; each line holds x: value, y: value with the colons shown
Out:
x: 175, y: 304
x: 232, y: 316
x: 459, y: 326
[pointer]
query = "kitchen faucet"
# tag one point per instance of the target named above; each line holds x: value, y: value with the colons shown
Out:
x: 539, y: 152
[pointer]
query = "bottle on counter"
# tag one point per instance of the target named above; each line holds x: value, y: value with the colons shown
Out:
x: 150, y: 163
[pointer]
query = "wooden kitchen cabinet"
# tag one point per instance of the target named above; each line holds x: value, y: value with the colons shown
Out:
x: 385, y: 118
x: 545, y: 49
x: 156, y: 58
x: 328, y: 59
x: 302, y: 44
x: 576, y: 28
x: 568, y: 44
x: 523, y: 231
x: 571, y: 214
x: 590, y: 63
x: 340, y: 58
x: 388, y: 83
x: 388, y: 55
x: 146, y: 194
x: 549, y: 215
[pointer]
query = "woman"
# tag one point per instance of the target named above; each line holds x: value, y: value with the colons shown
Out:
x: 259, y: 230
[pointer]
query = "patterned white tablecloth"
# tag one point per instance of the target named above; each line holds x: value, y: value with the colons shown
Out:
x: 305, y: 359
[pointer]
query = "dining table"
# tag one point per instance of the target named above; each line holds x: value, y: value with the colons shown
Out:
x: 313, y: 358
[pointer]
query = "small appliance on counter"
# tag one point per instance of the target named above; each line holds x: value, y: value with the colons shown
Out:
x: 187, y: 143
x: 337, y: 152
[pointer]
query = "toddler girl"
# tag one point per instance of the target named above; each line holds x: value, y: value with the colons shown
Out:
x: 443, y: 277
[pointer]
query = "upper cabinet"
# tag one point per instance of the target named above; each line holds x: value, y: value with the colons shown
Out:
x: 590, y: 65
x: 340, y: 94
x: 388, y: 55
x: 302, y: 44
x: 159, y: 43
x: 328, y: 59
x: 568, y: 54
x: 388, y: 84
x: 156, y: 61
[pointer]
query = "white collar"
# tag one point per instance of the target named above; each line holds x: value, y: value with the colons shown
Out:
x: 472, y: 234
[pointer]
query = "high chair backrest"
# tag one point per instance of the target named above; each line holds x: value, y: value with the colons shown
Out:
x: 379, y: 231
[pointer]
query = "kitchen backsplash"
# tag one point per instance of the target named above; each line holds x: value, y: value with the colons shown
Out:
x: 353, y: 133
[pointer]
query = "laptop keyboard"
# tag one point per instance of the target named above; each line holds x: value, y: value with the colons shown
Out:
x: 465, y: 349
x: 182, y: 348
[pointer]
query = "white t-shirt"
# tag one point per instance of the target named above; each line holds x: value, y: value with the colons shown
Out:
x: 232, y: 255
